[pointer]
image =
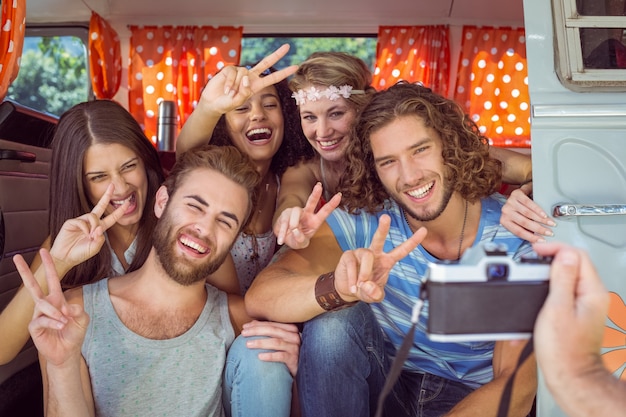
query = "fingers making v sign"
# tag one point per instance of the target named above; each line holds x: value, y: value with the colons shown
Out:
x: 296, y: 225
x: 233, y: 85
x: 57, y: 328
x: 362, y: 274
x: 81, y: 238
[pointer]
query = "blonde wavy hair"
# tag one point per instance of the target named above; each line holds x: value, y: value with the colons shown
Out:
x: 335, y: 68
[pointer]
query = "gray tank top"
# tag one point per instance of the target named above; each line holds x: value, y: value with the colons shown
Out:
x: 135, y: 376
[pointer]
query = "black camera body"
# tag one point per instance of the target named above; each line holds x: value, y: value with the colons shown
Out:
x: 486, y: 295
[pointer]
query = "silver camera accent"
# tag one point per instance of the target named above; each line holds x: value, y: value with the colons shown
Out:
x: 485, y: 296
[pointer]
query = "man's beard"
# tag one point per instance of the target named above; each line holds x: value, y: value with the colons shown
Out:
x: 433, y: 214
x: 181, y: 269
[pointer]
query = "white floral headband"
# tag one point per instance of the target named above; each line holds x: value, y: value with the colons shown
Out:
x: 332, y: 93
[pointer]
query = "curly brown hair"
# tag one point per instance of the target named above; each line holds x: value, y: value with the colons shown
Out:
x: 465, y: 150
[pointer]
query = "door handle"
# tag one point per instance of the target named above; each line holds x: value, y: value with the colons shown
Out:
x: 14, y: 155
x: 572, y: 210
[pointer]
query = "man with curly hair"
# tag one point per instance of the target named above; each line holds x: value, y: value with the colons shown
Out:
x: 419, y: 189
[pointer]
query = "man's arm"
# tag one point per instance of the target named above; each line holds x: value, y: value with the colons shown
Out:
x: 485, y: 401
x: 285, y: 290
x: 58, y: 330
x: 60, y: 388
x: 63, y: 382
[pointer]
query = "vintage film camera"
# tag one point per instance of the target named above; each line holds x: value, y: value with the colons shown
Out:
x: 486, y: 295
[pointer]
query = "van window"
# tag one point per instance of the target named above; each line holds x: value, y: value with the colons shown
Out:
x: 54, y: 72
x: 591, y: 44
x: 255, y: 47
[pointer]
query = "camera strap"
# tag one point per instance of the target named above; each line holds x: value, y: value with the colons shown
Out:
x: 505, y: 401
x: 396, y: 369
x: 403, y: 353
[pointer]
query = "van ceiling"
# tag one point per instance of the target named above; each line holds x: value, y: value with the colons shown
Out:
x: 283, y: 16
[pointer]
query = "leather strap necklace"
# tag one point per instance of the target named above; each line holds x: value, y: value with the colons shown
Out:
x: 462, y: 232
x: 462, y: 228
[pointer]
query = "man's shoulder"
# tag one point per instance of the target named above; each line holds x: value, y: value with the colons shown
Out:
x: 492, y: 207
x: 495, y: 200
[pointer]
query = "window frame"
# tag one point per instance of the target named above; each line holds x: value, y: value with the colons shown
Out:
x: 568, y: 51
x: 73, y: 29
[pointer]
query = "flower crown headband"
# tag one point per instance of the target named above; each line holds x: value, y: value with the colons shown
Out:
x: 332, y: 93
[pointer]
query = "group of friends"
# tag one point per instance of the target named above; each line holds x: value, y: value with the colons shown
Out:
x: 275, y: 269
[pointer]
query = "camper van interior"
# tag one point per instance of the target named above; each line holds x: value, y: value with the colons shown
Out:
x: 541, y: 77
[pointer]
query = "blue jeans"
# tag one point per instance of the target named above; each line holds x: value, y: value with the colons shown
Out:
x: 253, y: 387
x: 343, y: 366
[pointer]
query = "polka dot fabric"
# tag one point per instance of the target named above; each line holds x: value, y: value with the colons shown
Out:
x: 492, y: 84
x: 174, y: 63
x: 413, y: 53
x: 105, y: 58
x: 11, y: 41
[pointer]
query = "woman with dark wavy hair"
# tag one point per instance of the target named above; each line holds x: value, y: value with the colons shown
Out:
x: 95, y: 144
x: 262, y: 122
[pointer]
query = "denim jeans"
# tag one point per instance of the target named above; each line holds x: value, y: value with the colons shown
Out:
x: 343, y: 366
x: 253, y: 387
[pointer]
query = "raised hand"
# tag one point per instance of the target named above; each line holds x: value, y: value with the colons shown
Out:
x: 57, y: 328
x: 296, y: 225
x: 524, y: 218
x: 81, y: 238
x: 361, y: 274
x: 282, y: 338
x: 233, y: 85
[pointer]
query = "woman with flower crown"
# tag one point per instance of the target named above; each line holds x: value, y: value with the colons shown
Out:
x: 330, y: 88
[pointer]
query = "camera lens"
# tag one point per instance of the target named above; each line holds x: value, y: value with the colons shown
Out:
x: 497, y: 272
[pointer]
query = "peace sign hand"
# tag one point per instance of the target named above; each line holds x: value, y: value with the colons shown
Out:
x: 296, y: 225
x: 233, y: 85
x: 57, y: 328
x: 362, y: 274
x: 81, y: 238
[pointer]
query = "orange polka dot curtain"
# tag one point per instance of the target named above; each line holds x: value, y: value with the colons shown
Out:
x: 11, y: 41
x: 174, y: 63
x: 105, y: 58
x: 414, y: 54
x: 492, y: 84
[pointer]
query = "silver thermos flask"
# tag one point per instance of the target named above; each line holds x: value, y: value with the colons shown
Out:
x: 166, y: 126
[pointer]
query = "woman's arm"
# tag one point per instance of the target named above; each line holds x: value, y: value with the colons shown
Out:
x: 199, y: 126
x: 295, y: 186
x: 516, y: 167
x: 225, y: 278
x: 15, y: 317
